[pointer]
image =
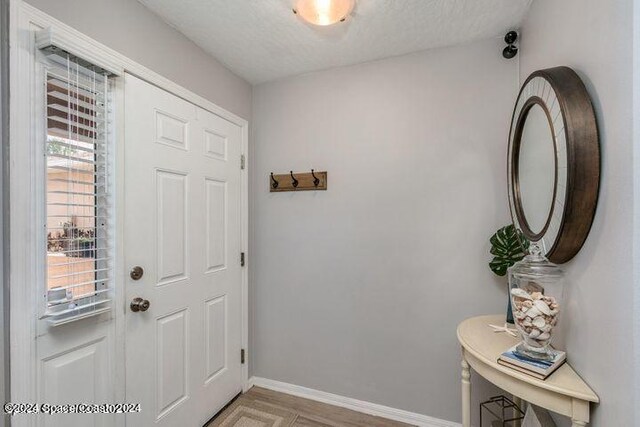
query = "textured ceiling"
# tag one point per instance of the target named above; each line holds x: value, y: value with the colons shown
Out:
x: 263, y: 40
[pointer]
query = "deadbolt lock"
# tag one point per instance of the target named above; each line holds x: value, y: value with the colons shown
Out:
x: 136, y: 272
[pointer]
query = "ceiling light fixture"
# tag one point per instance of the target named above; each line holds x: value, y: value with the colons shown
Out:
x: 323, y: 12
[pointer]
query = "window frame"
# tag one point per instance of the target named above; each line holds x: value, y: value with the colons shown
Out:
x: 103, y: 200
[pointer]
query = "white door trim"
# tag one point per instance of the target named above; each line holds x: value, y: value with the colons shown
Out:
x: 22, y: 292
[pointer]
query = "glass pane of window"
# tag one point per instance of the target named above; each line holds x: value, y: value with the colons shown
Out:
x: 71, y: 222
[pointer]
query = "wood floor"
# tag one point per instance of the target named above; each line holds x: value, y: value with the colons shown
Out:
x: 314, y: 414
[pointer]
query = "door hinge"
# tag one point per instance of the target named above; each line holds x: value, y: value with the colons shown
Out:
x: 241, y: 259
x: 243, y: 160
x: 242, y: 356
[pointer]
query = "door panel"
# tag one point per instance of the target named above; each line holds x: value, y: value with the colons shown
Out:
x: 216, y: 208
x: 215, y: 335
x: 170, y: 130
x: 182, y: 226
x: 74, y: 376
x: 172, y: 352
x: 171, y: 208
x: 216, y: 145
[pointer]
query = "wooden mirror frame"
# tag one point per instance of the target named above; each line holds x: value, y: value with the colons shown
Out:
x: 565, y: 100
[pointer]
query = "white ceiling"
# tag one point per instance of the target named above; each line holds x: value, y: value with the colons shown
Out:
x: 263, y: 40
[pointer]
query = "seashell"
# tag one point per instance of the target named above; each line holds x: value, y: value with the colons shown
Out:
x: 526, y: 321
x: 539, y: 322
x: 546, y: 328
x: 535, y: 333
x: 554, y: 311
x: 527, y: 304
x: 534, y: 312
x: 519, y: 314
x: 536, y: 295
x: 542, y: 306
x: 544, y: 336
x: 520, y: 293
x: 533, y: 287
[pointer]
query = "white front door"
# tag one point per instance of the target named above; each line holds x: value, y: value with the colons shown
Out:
x: 183, y: 228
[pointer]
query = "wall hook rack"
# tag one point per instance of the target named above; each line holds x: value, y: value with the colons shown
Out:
x: 298, y: 181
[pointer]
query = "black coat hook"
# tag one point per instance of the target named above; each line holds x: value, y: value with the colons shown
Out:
x: 274, y: 183
x: 294, y: 181
x: 316, y: 180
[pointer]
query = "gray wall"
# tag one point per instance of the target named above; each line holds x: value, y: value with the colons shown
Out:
x: 131, y: 29
x: 595, y: 38
x: 358, y: 290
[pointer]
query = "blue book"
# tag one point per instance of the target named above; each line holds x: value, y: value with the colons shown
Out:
x: 540, y: 369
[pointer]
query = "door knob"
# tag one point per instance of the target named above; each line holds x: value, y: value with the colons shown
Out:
x: 136, y: 272
x: 139, y: 304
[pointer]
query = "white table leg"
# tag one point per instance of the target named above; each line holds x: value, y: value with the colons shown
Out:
x: 466, y: 394
x: 580, y: 413
x: 518, y: 403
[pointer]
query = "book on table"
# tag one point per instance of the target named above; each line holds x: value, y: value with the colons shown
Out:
x: 540, y: 369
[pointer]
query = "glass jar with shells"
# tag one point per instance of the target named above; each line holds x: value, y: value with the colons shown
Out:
x: 536, y: 288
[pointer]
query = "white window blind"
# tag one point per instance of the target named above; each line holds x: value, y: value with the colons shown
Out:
x: 78, y: 197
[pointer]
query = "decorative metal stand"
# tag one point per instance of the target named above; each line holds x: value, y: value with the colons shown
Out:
x: 505, y: 412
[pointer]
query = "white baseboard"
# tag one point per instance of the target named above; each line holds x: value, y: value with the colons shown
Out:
x: 249, y: 383
x: 353, y: 404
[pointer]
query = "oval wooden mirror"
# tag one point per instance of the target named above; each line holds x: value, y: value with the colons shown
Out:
x: 554, y: 162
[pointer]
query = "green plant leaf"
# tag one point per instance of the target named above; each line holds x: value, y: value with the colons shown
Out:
x: 508, y: 246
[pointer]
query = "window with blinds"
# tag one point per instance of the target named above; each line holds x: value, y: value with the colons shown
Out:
x: 78, y: 211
